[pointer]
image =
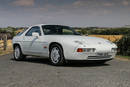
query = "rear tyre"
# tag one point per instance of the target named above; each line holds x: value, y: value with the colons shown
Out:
x: 56, y: 55
x: 18, y: 56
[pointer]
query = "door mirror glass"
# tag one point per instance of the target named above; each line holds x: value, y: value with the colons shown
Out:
x: 35, y: 34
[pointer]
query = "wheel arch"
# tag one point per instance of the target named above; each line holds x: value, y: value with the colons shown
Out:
x: 57, y: 44
x: 62, y: 58
x: 16, y: 44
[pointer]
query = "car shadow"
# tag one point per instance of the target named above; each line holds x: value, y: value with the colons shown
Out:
x: 84, y: 64
x: 35, y: 60
x: 68, y: 64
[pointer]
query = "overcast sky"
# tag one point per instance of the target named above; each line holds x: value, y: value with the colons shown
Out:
x: 83, y: 13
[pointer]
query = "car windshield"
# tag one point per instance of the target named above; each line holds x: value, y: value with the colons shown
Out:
x: 58, y: 30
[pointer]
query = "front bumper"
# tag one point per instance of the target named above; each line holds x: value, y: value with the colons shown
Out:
x: 93, y: 56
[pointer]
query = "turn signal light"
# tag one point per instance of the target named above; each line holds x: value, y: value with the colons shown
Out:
x: 80, y: 50
x: 89, y: 50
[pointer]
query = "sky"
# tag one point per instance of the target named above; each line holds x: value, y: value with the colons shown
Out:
x: 77, y: 13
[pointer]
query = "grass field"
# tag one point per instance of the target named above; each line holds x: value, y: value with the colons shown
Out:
x: 128, y: 57
x: 9, y: 48
x: 123, y: 57
x: 112, y: 38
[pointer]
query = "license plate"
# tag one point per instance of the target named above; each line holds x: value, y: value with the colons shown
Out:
x: 102, y: 54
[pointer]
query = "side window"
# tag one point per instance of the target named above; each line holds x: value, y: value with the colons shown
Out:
x: 67, y: 32
x: 50, y: 30
x: 33, y: 29
x: 47, y: 31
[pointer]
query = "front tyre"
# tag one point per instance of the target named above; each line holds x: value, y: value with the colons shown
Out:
x: 18, y: 54
x: 56, y: 55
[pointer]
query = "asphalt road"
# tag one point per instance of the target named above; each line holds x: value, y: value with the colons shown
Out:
x: 37, y: 72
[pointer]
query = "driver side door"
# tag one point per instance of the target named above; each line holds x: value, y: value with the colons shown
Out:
x: 33, y: 45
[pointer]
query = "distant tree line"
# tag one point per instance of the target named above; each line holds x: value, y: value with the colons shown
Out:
x: 9, y: 31
x: 104, y: 31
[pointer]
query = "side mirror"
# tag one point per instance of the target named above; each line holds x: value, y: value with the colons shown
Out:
x: 35, y: 34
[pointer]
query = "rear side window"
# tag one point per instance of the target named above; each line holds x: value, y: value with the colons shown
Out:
x: 33, y: 29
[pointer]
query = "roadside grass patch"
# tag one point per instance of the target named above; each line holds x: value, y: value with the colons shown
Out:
x: 8, y: 50
x: 123, y: 57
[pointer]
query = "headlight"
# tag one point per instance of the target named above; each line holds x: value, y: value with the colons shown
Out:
x: 86, y: 50
x: 114, y: 49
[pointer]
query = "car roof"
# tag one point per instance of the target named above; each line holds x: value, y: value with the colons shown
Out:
x: 46, y: 24
x: 39, y: 24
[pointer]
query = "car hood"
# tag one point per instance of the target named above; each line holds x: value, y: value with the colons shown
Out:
x: 84, y: 39
x: 89, y: 41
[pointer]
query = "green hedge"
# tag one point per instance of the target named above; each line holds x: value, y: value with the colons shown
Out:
x: 10, y: 31
x: 124, y: 46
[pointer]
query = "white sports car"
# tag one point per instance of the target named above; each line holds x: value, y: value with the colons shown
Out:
x: 60, y: 43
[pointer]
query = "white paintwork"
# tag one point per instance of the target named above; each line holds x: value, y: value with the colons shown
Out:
x: 36, y: 46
